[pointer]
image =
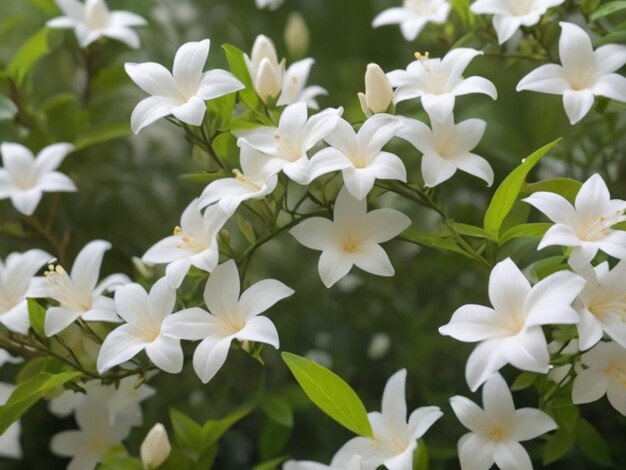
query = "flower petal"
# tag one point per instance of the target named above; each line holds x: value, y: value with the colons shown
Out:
x: 192, y: 112
x: 469, y: 414
x: 154, y: 79
x: 121, y: 345
x: 190, y: 324
x: 510, y: 454
x: 486, y: 359
x: 577, y: 104
x: 216, y: 83
x: 531, y: 423
x: 259, y: 329
x: 472, y: 323
x: 149, y: 110
x: 166, y: 353
x: 333, y: 265
x: 188, y: 64
x: 210, y: 356
x: 221, y: 294
x: 528, y: 350
x: 262, y: 295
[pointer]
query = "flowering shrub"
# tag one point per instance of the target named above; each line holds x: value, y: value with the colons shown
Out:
x: 160, y: 301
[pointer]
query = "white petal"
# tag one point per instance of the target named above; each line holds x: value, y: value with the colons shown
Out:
x: 589, y: 330
x: 411, y: 27
x: 528, y: 351
x: 390, y: 16
x: 474, y: 165
x: 121, y: 345
x: 610, y: 58
x: 86, y: 268
x: 359, y: 181
x: 577, y: 104
x: 166, y: 353
x: 548, y: 78
x: 498, y: 402
x: 436, y: 170
x: 505, y: 26
x: 191, y: 324
x: 476, y: 85
x: 316, y: 233
x: 387, y: 166
x: 176, y: 271
x: 511, y: 455
x: 589, y: 386
x: 125, y: 35
x: 262, y: 295
x: 319, y: 126
x: 154, y: 79
x: 50, y: 157
x: 508, y: 287
x: 26, y: 201
x: 576, y: 53
x: 149, y: 110
x: 555, y: 207
x: 531, y: 423
x: 394, y: 400
x: 373, y: 259
x: 56, y: 182
x: 438, y: 107
x: 422, y: 419
x: 216, y: 83
x: 131, y: 302
x: 17, y: 160
x: 222, y: 289
x: 612, y: 86
x: 475, y: 452
x: 333, y: 265
x: 326, y: 161
x: 209, y: 357
x: 298, y: 171
x: 381, y: 225
x: 59, y: 318
x: 486, y: 359
x: 259, y: 329
x: 550, y: 299
x: 472, y: 323
x: 188, y: 64
x: 192, y: 112
x: 469, y: 414
x: 161, y: 300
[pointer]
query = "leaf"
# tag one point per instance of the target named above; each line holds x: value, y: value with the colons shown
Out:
x: 330, y: 393
x: 37, y: 316
x: 30, y: 392
x: 203, y: 177
x: 472, y: 231
x: 36, y: 47
x: 557, y: 446
x: 608, y: 9
x: 545, y: 267
x: 239, y: 69
x: 420, y: 457
x: 221, y: 110
x: 534, y: 230
x: 507, y: 192
x: 566, y: 187
x: 277, y: 409
x: 566, y: 416
x: 187, y: 432
x: 437, y: 240
x: 213, y: 430
x: 246, y: 229
x: 462, y: 8
x: 8, y: 110
x: 102, y: 134
x: 523, y: 381
x: 591, y: 443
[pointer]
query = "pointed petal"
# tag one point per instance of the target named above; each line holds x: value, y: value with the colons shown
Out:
x: 358, y: 181
x: 121, y: 345
x: 316, y: 233
x: 333, y: 265
x: 545, y: 79
x: 497, y: 401
x: 262, y: 295
x: 472, y: 323
x: 149, y: 110
x: 528, y: 351
x: 576, y: 53
x: 531, y: 423
x: 469, y: 414
x: 549, y: 300
x: 610, y: 58
x: 422, y: 419
x: 511, y: 455
x: 131, y: 302
x: 382, y: 225
x: 259, y: 329
x: 436, y: 170
x: 18, y: 160
x: 475, y: 452
x: 222, y: 289
x: 476, y: 85
x: 51, y: 157
x: 373, y: 259
x: 319, y: 126
x: 188, y: 64
x: 191, y: 324
x: 508, y: 287
x: 555, y: 207
x: 474, y: 165
x: 390, y: 16
x: 612, y: 86
x: 394, y: 400
x: 161, y: 300
x: 326, y: 161
x: 166, y: 353
x: 56, y: 182
x: 26, y: 201
x: 486, y: 359
x: 387, y: 166
x: 505, y: 26
x: 192, y: 112
x: 216, y: 83
x: 154, y: 79
x: 577, y: 104
x: 59, y: 318
x: 86, y: 268
x: 210, y: 356
x: 561, y: 235
x: 438, y: 107
x: 589, y: 330
x: 125, y: 35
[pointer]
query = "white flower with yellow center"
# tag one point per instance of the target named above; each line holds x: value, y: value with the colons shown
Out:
x: 352, y: 238
x: 414, y: 15
x: 230, y: 317
x: 586, y: 226
x: 395, y: 439
x: 25, y: 177
x: 584, y: 73
x: 288, y: 144
x: 510, y: 332
x: 79, y: 293
x: 193, y: 243
x: 144, y: 314
x: 602, y: 370
x: 437, y: 82
x: 92, y: 20
x: 498, y: 429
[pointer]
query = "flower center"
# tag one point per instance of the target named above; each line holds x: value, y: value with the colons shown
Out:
x: 599, y: 228
x: 617, y: 371
x: 65, y: 290
x: 246, y: 181
x: 615, y: 306
x: 350, y: 243
x: 497, y: 434
x: 286, y: 148
x: 520, y: 7
x: 187, y: 241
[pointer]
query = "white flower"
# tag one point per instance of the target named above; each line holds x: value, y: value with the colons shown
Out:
x: 270, y: 4
x: 509, y: 15
x: 93, y: 20
x: 413, y: 16
x: 79, y: 294
x: 25, y: 178
x: 584, y: 73
x: 510, y: 332
x: 10, y: 440
x: 184, y: 91
x: 5, y: 357
x: 394, y: 439
x: 287, y: 145
x: 438, y: 81
x: 496, y: 431
x: 144, y: 315
x: 251, y: 184
x: 17, y: 282
x: 155, y: 448
x: 294, y: 81
x: 586, y: 226
x: 265, y: 71
x: 353, y: 238
x: 230, y: 317
x: 604, y: 373
x: 193, y: 243
x: 95, y: 436
x: 378, y: 94
x: 447, y: 148
x: 353, y: 464
x: 603, y: 305
x: 360, y: 156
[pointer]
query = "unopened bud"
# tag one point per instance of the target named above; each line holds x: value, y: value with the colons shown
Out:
x: 155, y: 448
x: 297, y: 36
x: 269, y: 80
x: 378, y: 92
x: 263, y: 48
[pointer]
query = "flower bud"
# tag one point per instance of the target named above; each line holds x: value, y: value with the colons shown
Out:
x: 269, y: 80
x: 263, y: 48
x: 155, y: 448
x: 297, y: 36
x: 378, y: 92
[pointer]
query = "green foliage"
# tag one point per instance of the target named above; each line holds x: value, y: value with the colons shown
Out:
x: 30, y: 53
x: 608, y: 9
x: 524, y: 380
x: 277, y: 409
x: 330, y: 393
x: 420, y: 456
x: 37, y: 317
x: 557, y: 446
x: 591, y: 443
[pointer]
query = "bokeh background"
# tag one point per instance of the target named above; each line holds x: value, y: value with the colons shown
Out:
x: 366, y: 328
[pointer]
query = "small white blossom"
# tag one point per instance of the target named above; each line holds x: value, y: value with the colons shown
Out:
x: 510, y: 332
x: 92, y: 20
x: 378, y: 94
x: 498, y: 429
x: 155, y: 448
x: 25, y: 177
x: 586, y: 226
x: 294, y: 88
x: 584, y: 73
x: 230, y: 317
x: 414, y: 15
x: 352, y: 238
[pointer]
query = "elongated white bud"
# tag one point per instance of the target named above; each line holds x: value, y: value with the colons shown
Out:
x: 263, y: 48
x: 269, y: 80
x: 297, y: 36
x: 155, y: 448
x: 378, y: 92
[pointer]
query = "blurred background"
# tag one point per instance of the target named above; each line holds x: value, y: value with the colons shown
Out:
x: 365, y: 328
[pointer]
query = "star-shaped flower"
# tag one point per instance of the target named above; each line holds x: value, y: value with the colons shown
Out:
x: 439, y: 81
x: 352, y: 238
x: 184, y: 91
x: 230, y: 317
x: 93, y: 20
x: 498, y: 429
x: 584, y: 73
x: 414, y: 15
x: 294, y: 89
x: 586, y: 226
x: 510, y: 332
x: 25, y: 177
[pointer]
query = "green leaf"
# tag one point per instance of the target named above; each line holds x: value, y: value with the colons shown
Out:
x: 545, y: 267
x: 472, y: 231
x: 524, y: 380
x: 37, y: 317
x: 117, y: 458
x: 187, y: 432
x: 30, y: 392
x: 330, y: 393
x: 8, y: 110
x: 566, y: 416
x: 608, y: 9
x: 462, y: 8
x: 507, y: 192
x: 557, y: 446
x: 566, y: 187
x: 420, y: 457
x: 246, y: 229
x: 36, y: 47
x: 204, y: 177
x: 437, y: 240
x: 535, y: 230
x: 221, y: 110
x: 277, y: 409
x: 102, y: 134
x: 239, y: 69
x: 591, y: 443
x: 213, y: 430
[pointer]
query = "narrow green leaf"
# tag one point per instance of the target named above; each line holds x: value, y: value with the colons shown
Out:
x: 420, y: 457
x: 36, y: 47
x: 557, y: 446
x: 591, y: 443
x: 566, y: 187
x: 187, y: 432
x: 472, y: 231
x: 566, y: 416
x: 204, y: 177
x: 507, y: 192
x: 213, y: 430
x: 437, y: 240
x: 238, y: 68
x: 524, y: 380
x: 37, y: 317
x: 608, y: 9
x: 462, y: 9
x: 534, y: 230
x: 330, y: 393
x: 103, y: 134
x: 277, y: 409
x: 8, y: 110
